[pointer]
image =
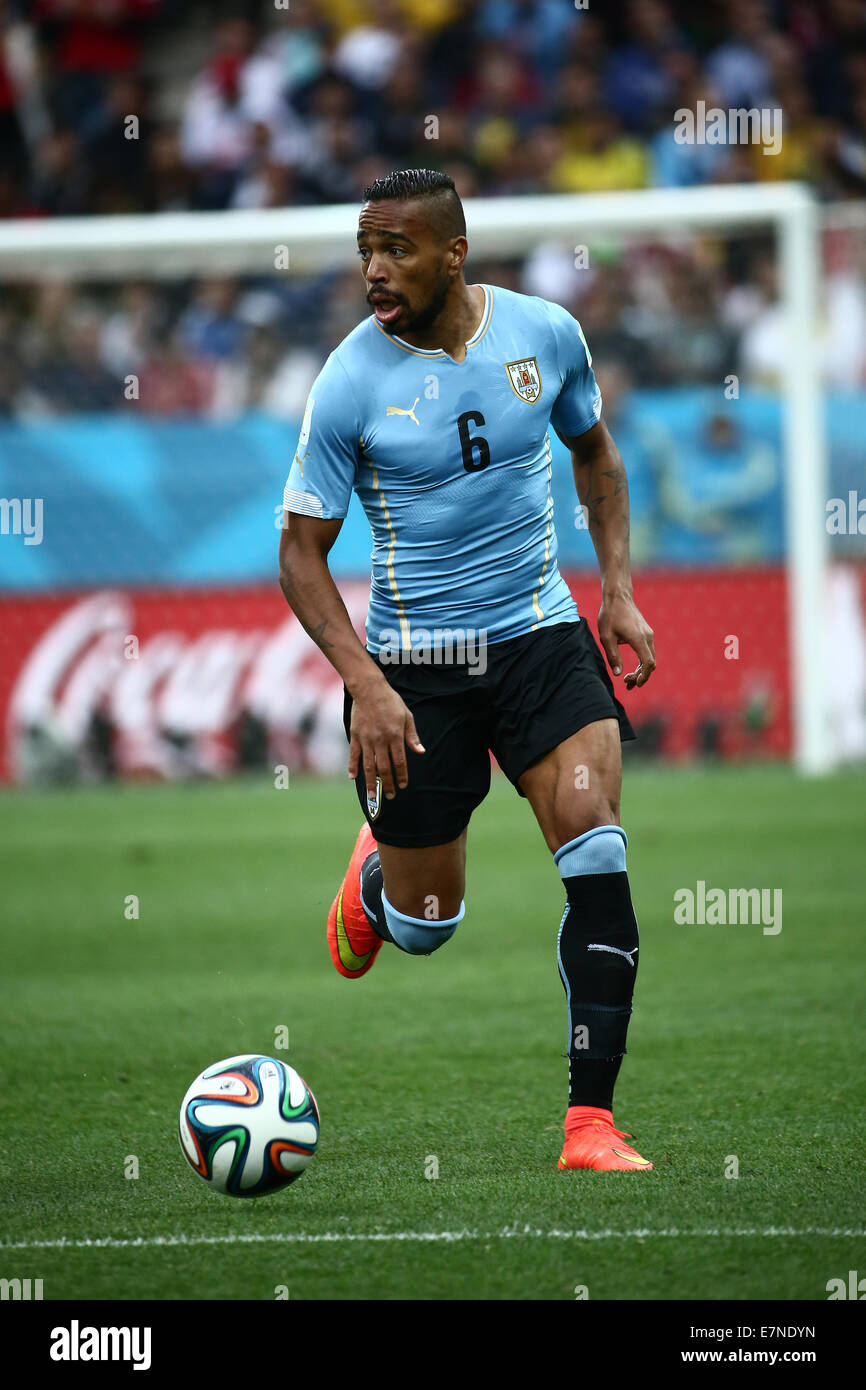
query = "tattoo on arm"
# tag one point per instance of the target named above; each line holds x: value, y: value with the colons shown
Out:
x: 593, y: 503
x: 318, y: 635
x: 618, y: 476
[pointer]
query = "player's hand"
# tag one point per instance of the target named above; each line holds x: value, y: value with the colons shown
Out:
x: 620, y: 620
x: 381, y: 729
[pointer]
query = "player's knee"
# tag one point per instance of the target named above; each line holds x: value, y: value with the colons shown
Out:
x: 420, y: 936
x: 582, y: 804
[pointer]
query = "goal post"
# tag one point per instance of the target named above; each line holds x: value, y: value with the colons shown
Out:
x: 311, y: 239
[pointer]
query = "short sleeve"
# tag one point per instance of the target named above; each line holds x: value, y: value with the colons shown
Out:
x: 322, y: 474
x: 578, y: 405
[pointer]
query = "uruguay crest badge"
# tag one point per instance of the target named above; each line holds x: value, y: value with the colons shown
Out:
x: 374, y: 803
x: 525, y: 379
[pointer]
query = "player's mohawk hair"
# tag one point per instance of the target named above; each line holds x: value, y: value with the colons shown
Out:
x: 406, y: 185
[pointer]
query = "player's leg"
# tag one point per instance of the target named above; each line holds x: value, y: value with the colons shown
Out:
x: 427, y: 883
x: 414, y: 897
x: 576, y: 787
x: 418, y: 912
x: 406, y: 878
x: 574, y: 790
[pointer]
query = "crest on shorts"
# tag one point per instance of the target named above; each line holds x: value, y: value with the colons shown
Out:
x: 374, y: 803
x: 525, y: 379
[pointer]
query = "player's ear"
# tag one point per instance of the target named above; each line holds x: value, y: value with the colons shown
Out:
x: 457, y: 253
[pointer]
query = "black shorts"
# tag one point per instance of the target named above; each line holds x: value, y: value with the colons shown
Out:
x: 535, y: 692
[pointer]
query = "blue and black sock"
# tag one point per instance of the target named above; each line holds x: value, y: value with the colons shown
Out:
x: 371, y: 895
x: 597, y: 952
x: 415, y: 935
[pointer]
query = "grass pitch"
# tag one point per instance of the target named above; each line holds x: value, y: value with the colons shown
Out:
x: 744, y: 1046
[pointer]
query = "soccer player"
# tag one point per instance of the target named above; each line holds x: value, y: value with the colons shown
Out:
x: 436, y: 411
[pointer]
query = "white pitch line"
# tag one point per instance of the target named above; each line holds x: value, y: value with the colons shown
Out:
x: 430, y: 1237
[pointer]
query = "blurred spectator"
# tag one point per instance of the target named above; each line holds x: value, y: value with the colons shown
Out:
x: 210, y: 327
x: 609, y: 160
x: 129, y: 329
x: 171, y: 382
x: 114, y: 144
x: 832, y: 32
x: 674, y: 163
x: 739, y: 68
x: 224, y: 110
x: 538, y: 29
x: 337, y: 136
x: 637, y: 83
x: 612, y: 321
x: 266, y: 377
x: 299, y: 48
x: 87, y: 44
x: 368, y: 54
x: 766, y: 340
x: 70, y: 376
x: 170, y: 178
x: 399, y: 129
x: 801, y: 137
x: 61, y: 185
x: 846, y: 147
x: 689, y: 343
x: 720, y: 494
x: 13, y: 149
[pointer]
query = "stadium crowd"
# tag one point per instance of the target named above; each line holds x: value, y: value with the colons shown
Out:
x: 122, y: 106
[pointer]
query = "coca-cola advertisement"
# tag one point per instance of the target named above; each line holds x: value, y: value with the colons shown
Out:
x: 166, y: 685
x: 202, y: 683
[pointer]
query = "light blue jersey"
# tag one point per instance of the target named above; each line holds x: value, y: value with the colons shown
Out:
x: 451, y: 462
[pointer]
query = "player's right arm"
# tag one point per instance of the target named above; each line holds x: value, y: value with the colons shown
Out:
x: 381, y: 723
x: 315, y: 503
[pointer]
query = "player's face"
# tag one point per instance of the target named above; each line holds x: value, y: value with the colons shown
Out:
x: 407, y: 267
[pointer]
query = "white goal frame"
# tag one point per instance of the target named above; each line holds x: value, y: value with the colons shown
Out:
x: 169, y: 245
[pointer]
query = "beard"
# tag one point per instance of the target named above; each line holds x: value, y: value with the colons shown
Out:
x: 432, y: 309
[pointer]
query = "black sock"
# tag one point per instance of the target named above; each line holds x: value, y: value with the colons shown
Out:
x: 592, y: 1083
x: 371, y: 895
x: 598, y: 944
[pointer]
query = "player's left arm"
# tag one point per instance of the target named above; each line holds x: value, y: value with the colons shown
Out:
x: 602, y: 490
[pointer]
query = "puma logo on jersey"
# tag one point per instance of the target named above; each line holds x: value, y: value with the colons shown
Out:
x: 396, y: 410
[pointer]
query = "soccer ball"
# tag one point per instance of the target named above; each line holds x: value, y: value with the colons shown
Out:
x: 249, y: 1125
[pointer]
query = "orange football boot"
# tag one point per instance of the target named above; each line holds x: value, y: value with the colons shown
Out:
x: 592, y: 1142
x: 351, y: 940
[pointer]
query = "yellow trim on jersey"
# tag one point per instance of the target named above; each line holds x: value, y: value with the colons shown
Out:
x: 536, y: 605
x: 405, y: 347
x: 485, y: 318
x: 405, y: 632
